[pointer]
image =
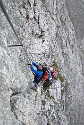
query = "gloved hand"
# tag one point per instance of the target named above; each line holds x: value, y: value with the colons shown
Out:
x: 29, y: 64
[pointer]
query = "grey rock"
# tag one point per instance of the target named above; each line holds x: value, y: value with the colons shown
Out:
x: 48, y: 35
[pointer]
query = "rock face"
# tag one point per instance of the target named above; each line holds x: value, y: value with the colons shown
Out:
x: 47, y: 34
x: 75, y: 10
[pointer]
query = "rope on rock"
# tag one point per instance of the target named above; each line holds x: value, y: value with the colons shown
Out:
x: 7, y: 17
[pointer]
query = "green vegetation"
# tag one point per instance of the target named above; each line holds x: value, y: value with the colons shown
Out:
x: 56, y: 67
x: 46, y: 85
x: 61, y: 78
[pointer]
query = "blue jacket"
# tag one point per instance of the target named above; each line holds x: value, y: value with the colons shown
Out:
x: 37, y: 72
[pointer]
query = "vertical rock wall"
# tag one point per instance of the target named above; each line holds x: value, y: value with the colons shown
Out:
x: 47, y: 35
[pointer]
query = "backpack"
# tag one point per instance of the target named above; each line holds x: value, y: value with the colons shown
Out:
x: 45, y: 74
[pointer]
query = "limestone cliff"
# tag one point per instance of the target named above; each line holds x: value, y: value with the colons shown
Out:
x: 46, y: 35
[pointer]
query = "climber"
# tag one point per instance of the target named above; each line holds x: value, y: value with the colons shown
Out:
x: 37, y: 74
x: 41, y: 73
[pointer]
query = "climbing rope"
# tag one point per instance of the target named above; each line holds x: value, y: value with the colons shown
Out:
x: 5, y: 13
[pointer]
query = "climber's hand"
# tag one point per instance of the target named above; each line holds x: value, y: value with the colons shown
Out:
x: 29, y: 64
